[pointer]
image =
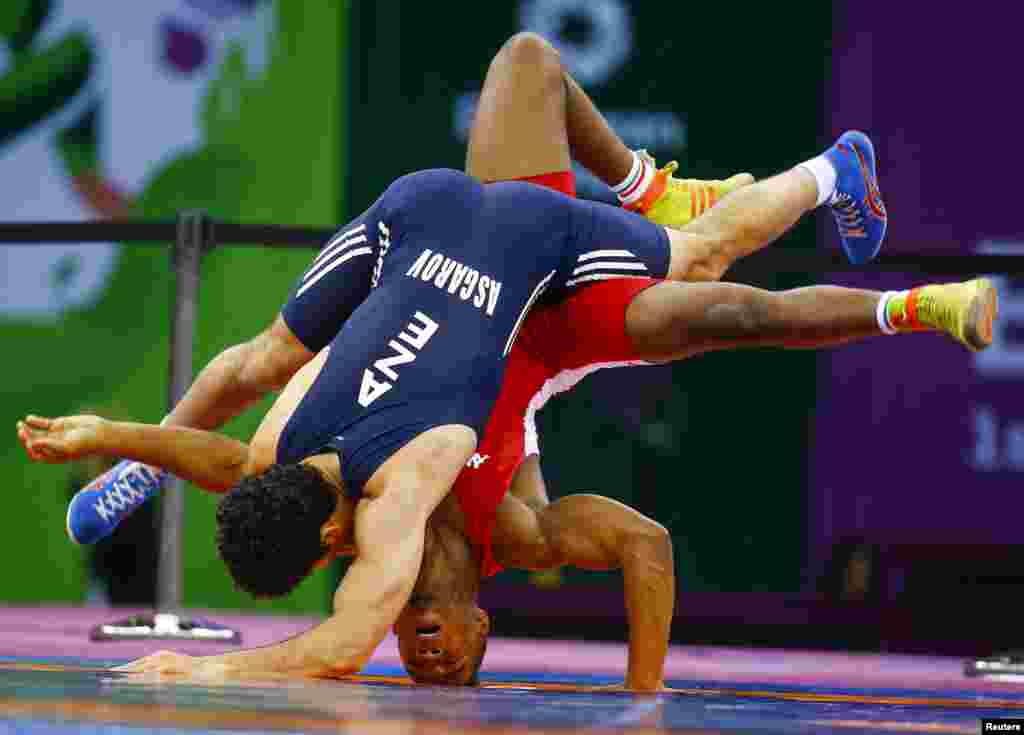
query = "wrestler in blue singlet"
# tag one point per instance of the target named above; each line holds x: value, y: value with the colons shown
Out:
x: 421, y: 297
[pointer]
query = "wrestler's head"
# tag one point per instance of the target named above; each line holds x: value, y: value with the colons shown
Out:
x: 273, y: 529
x: 442, y: 634
x: 442, y: 643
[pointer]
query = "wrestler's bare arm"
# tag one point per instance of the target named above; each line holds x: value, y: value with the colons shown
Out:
x: 389, y: 532
x: 593, y: 532
x: 212, y: 461
x: 240, y: 376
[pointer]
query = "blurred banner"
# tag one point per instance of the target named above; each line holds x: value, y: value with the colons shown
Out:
x: 89, y: 119
x: 919, y: 441
x: 715, y: 448
x: 140, y: 110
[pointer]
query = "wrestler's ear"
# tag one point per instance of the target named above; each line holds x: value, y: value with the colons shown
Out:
x: 483, y: 621
x: 331, y: 533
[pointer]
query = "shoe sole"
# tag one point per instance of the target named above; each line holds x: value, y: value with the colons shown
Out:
x: 981, y: 314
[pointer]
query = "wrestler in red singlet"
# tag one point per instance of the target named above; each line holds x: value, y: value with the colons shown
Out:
x: 557, y: 347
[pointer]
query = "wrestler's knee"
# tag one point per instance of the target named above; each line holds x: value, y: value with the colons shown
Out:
x: 532, y: 56
x: 529, y: 48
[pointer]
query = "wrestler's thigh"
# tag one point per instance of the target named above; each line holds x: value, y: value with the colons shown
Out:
x: 519, y: 129
x: 672, y: 321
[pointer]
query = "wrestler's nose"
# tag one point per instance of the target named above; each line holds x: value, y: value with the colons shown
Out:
x: 428, y: 641
x: 429, y: 652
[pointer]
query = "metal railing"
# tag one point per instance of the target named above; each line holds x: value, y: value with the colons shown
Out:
x: 195, y: 233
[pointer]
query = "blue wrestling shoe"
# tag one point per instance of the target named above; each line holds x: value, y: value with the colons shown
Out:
x: 98, y: 508
x: 857, y: 203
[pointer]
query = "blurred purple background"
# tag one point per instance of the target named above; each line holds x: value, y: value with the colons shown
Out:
x: 917, y: 440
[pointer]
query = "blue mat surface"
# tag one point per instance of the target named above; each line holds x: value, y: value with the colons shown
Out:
x: 60, y: 696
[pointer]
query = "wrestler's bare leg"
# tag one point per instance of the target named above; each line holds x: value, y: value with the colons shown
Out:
x: 744, y: 222
x: 672, y: 321
x: 533, y: 118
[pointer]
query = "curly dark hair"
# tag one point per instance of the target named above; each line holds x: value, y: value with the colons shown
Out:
x: 268, y: 528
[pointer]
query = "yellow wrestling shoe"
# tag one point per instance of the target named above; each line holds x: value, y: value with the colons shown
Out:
x: 676, y: 202
x: 964, y: 311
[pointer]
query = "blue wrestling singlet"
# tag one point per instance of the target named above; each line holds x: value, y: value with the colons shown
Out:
x: 421, y: 297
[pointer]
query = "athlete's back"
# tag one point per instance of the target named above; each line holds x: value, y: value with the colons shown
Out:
x: 437, y: 277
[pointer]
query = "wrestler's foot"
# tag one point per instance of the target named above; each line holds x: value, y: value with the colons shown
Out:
x: 857, y: 203
x: 98, y: 508
x: 964, y: 311
x: 676, y: 202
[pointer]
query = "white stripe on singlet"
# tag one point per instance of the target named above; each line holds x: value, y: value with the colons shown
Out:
x: 604, y: 254
x: 609, y: 265
x: 336, y: 242
x: 599, y: 277
x: 526, y: 309
x: 331, y: 266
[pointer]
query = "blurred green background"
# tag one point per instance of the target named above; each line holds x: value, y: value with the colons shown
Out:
x: 270, y: 151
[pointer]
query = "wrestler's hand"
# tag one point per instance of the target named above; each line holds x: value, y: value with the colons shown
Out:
x: 62, y: 439
x: 169, y: 663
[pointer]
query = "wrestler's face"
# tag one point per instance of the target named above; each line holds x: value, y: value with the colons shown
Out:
x: 442, y: 644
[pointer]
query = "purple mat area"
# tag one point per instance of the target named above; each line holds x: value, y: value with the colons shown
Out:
x: 44, y: 632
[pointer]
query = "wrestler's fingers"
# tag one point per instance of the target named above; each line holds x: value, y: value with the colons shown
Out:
x: 135, y: 667
x: 29, y: 432
x: 47, y: 452
x: 39, y: 422
x: 40, y: 447
x: 162, y: 661
x: 44, y: 454
x: 140, y: 670
x: 26, y: 438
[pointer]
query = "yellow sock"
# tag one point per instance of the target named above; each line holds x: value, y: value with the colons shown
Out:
x: 964, y: 311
